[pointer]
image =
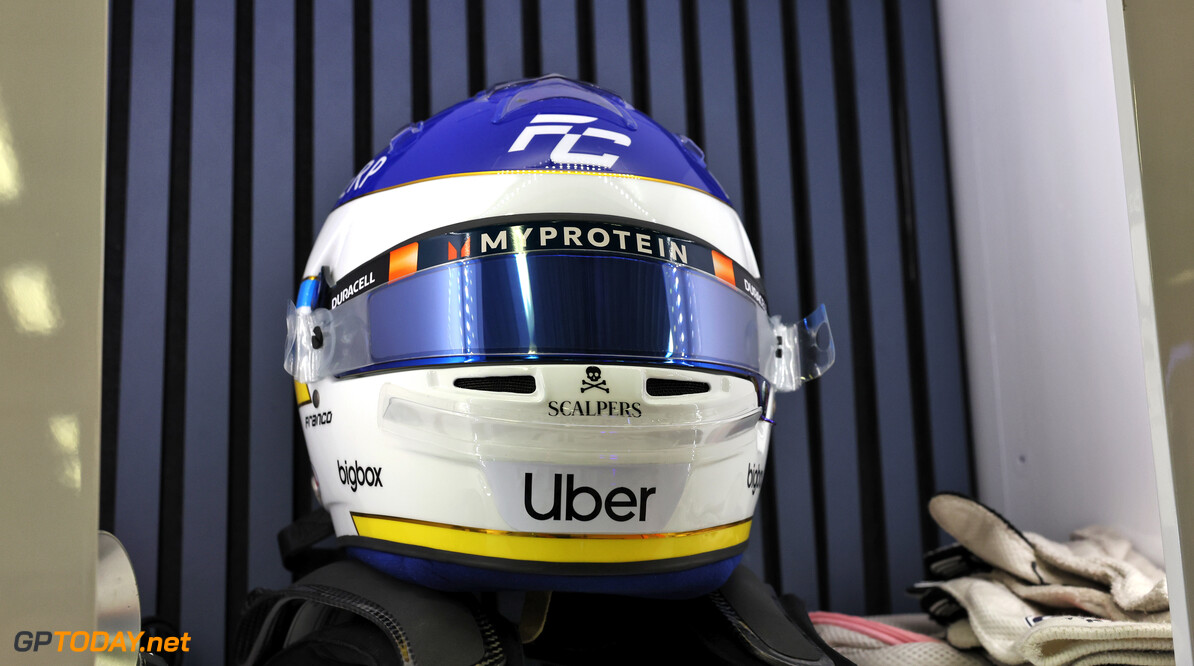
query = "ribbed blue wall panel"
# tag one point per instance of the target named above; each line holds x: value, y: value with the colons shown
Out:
x: 611, y: 20
x: 557, y: 38
x: 273, y: 209
x: 449, y: 56
x: 887, y: 306
x: 665, y: 65
x: 821, y: 119
x: 138, y: 468
x: 778, y: 262
x: 208, y: 329
x: 839, y: 466
x: 391, y: 70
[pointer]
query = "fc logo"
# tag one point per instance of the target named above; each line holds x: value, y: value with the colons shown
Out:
x: 550, y: 123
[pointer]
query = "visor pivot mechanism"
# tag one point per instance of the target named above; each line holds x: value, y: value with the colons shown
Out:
x: 310, y: 343
x: 801, y: 352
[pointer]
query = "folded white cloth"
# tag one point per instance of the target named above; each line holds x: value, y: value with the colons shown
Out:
x: 1014, y: 631
x: 1088, y: 599
x: 1095, y: 558
x: 960, y: 634
x: 1085, y: 640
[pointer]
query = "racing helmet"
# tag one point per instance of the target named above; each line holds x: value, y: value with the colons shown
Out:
x: 532, y: 351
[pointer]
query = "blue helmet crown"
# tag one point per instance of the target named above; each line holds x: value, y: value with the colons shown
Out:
x: 548, y: 124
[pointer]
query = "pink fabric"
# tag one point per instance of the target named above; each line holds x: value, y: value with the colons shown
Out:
x: 876, y: 630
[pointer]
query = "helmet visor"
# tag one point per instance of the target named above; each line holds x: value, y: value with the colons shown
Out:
x: 650, y: 297
x: 549, y: 305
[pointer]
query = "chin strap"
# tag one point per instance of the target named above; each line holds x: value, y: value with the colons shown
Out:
x: 298, y: 541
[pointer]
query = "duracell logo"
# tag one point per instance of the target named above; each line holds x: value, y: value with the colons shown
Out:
x: 619, y: 504
x: 362, y: 283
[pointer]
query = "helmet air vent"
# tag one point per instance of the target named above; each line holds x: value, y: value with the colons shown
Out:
x: 506, y: 384
x: 667, y: 387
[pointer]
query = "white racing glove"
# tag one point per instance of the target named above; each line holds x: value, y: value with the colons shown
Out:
x: 1014, y: 631
x: 1007, y: 609
x: 1095, y: 558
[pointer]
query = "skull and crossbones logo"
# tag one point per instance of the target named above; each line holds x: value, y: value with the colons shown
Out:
x: 595, y: 381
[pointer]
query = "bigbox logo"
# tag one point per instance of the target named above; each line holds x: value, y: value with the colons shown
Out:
x: 754, y: 477
x: 355, y: 476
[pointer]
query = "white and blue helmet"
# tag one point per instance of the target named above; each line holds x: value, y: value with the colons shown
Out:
x: 532, y: 351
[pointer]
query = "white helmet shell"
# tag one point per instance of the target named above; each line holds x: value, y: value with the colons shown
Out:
x: 533, y: 352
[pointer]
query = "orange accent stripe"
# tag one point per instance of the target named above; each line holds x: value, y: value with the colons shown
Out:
x: 451, y: 251
x: 404, y: 261
x: 464, y: 249
x: 723, y: 268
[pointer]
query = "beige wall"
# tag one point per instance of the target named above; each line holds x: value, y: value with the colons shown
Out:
x: 1160, y: 61
x: 52, y: 108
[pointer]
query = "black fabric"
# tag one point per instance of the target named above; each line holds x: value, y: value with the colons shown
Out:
x: 939, y: 604
x: 441, y: 628
x: 794, y: 606
x: 592, y: 629
x: 595, y: 629
x: 357, y: 642
x: 414, y: 622
x: 763, y: 618
x: 952, y: 561
x: 347, y: 614
x: 297, y: 543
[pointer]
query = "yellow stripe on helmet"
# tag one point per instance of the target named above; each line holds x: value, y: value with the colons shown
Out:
x: 302, y: 393
x: 545, y: 547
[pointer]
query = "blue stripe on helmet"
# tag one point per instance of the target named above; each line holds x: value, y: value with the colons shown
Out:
x: 549, y: 123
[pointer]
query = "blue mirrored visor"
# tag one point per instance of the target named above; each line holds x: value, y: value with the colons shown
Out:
x: 551, y: 304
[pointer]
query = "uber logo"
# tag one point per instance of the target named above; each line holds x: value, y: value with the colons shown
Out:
x: 550, y: 124
x: 620, y: 504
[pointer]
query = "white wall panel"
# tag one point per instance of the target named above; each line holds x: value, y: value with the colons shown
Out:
x: 1057, y: 378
